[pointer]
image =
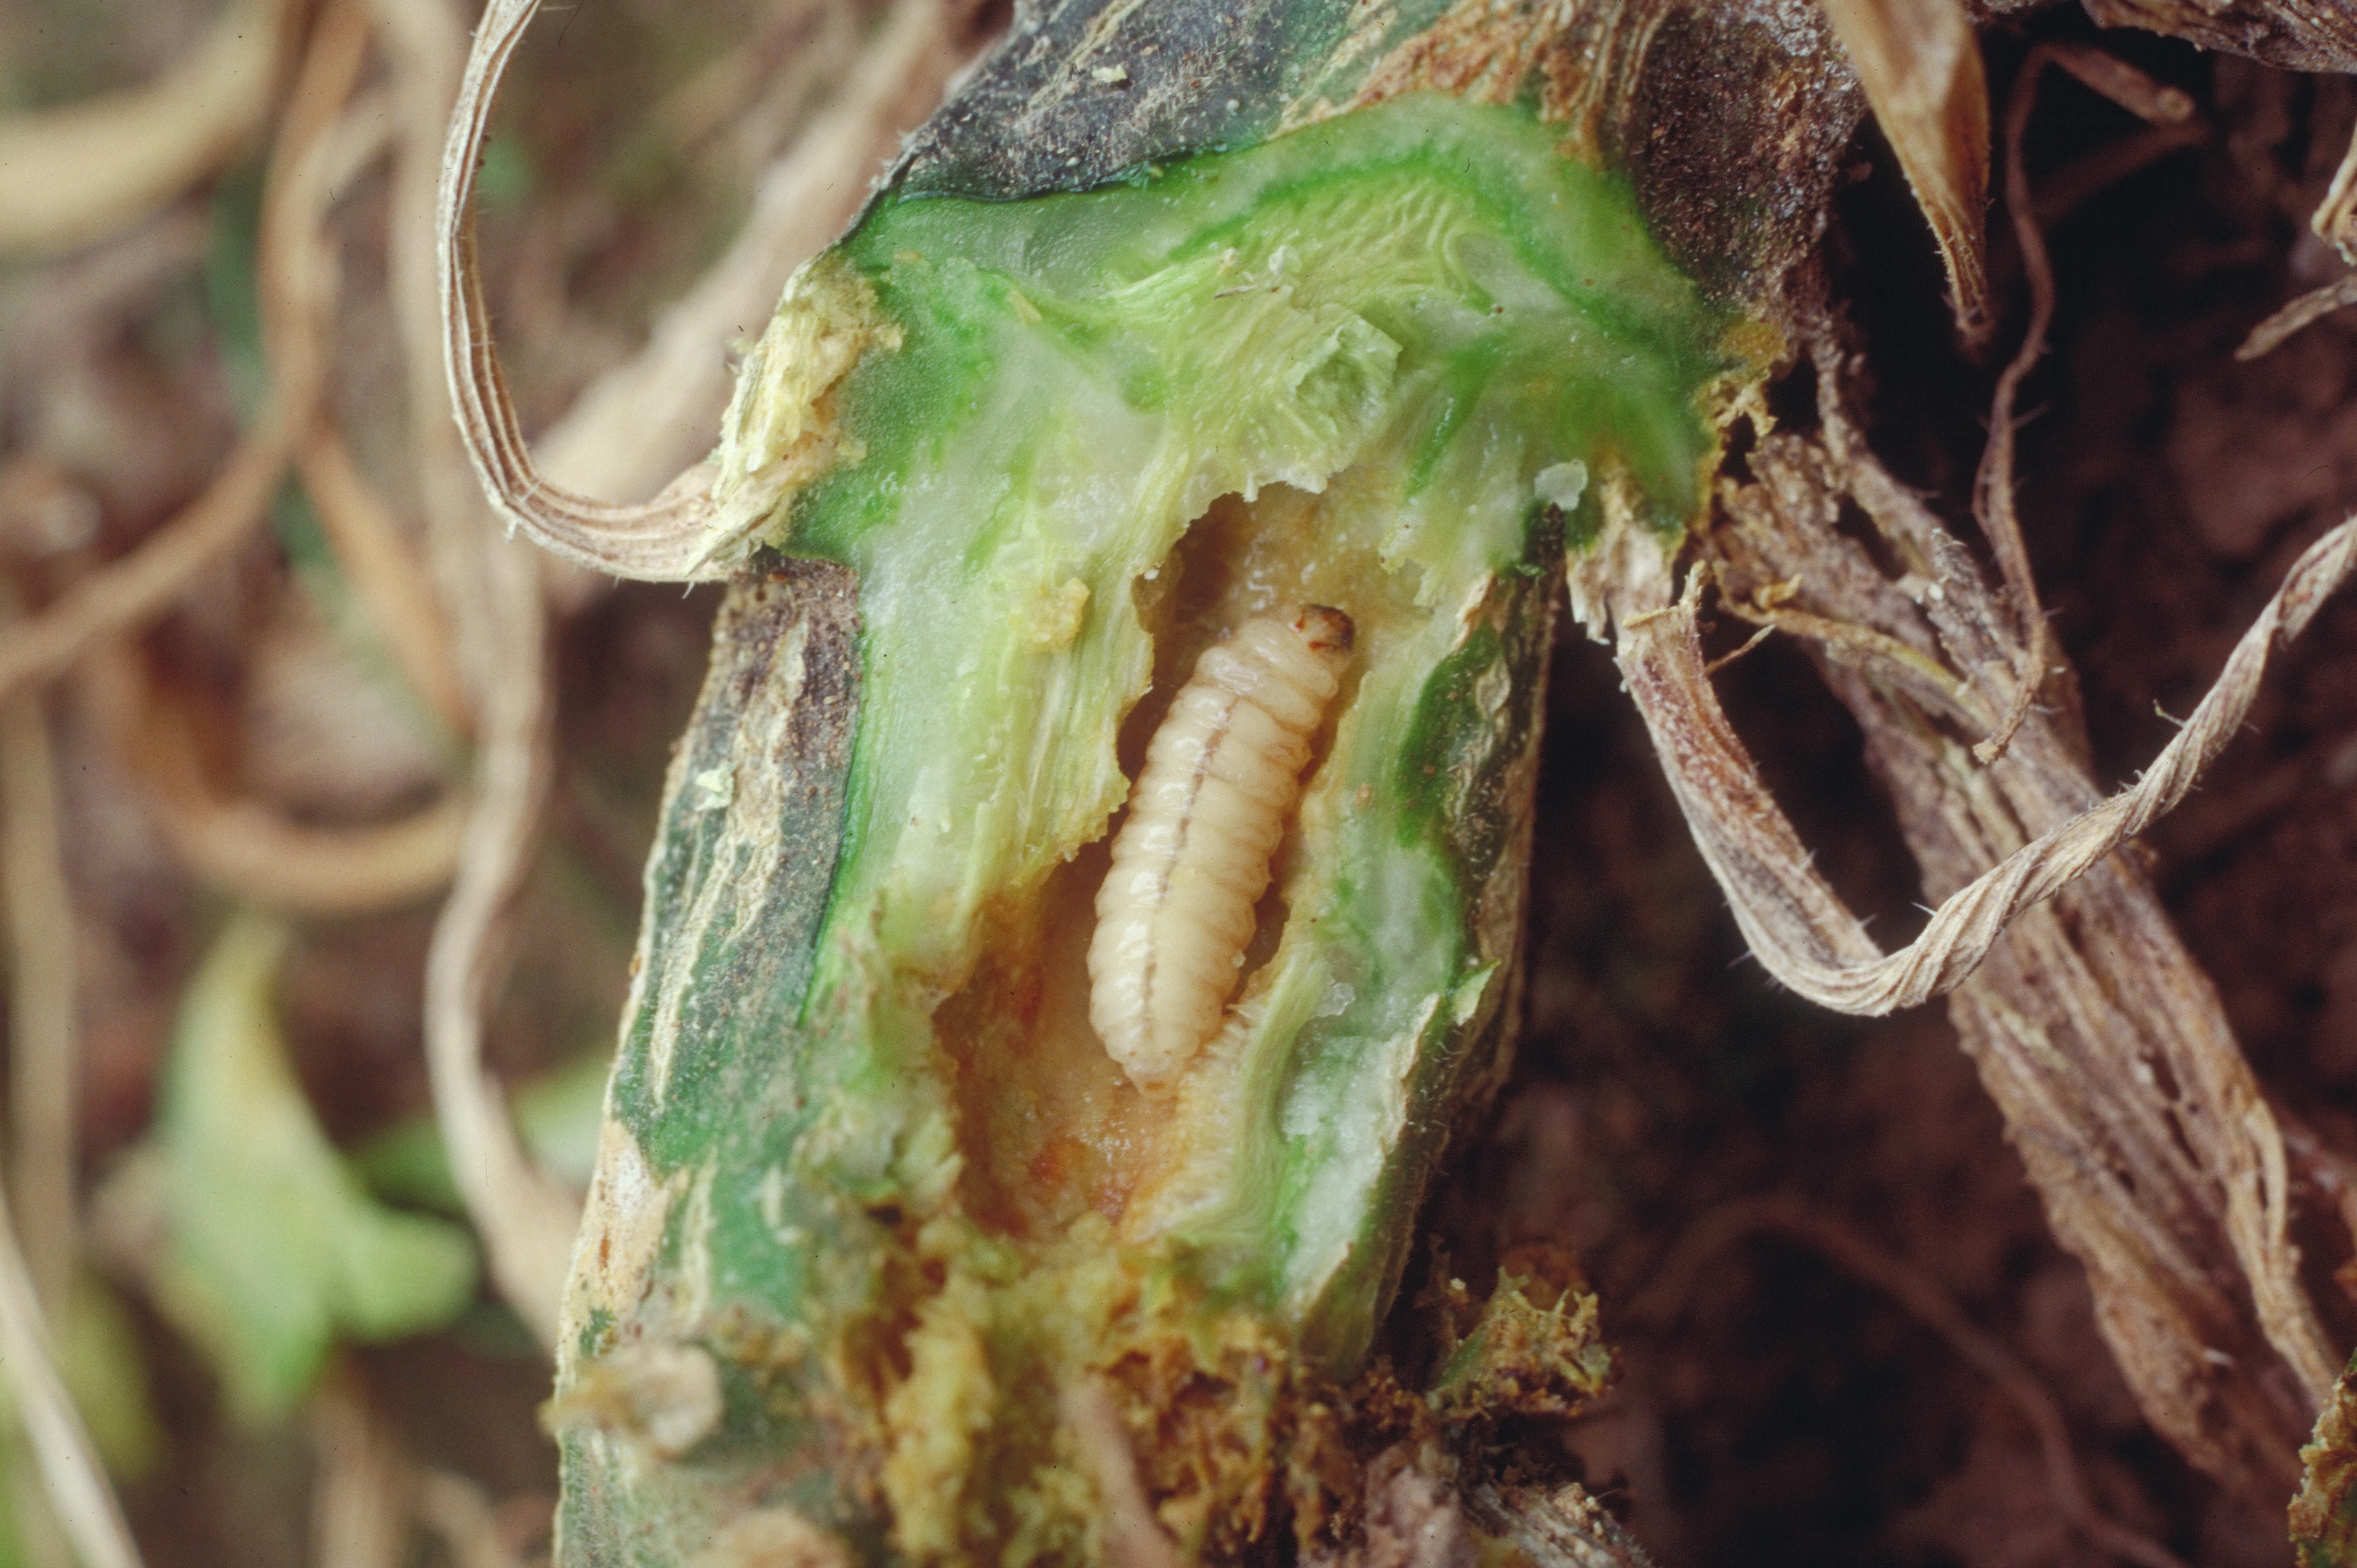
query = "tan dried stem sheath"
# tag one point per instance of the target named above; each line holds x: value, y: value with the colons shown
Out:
x: 2093, y: 1031
x: 670, y: 537
x: 491, y: 594
x: 1222, y: 776
x: 1797, y: 925
x: 656, y: 540
x: 1920, y: 67
x: 644, y: 421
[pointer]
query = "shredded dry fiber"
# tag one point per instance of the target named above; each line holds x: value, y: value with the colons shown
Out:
x: 665, y: 539
x: 2101, y: 1041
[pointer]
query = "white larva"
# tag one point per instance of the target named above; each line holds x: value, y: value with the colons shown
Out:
x: 1222, y: 776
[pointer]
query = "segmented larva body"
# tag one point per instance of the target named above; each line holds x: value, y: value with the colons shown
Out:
x: 1222, y: 776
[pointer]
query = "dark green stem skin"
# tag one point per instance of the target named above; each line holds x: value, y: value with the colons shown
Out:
x: 1469, y: 767
x: 1730, y: 118
x: 777, y: 712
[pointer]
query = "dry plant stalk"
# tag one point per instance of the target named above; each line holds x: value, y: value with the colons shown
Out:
x: 70, y: 1471
x: 2103, y: 1044
x: 653, y: 415
x: 44, y: 999
x: 75, y: 174
x: 295, y: 279
x: 1993, y: 501
x: 2305, y: 311
x: 1920, y: 67
x: 2336, y: 216
x: 655, y: 539
x: 248, y: 849
x: 490, y: 590
x: 42, y: 1002
x: 363, y: 1492
x: 526, y: 1219
x: 665, y: 539
x: 243, y: 846
x: 2292, y: 35
x: 385, y: 574
x: 1797, y: 925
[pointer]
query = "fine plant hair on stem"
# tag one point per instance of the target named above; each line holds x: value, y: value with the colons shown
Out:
x: 295, y: 277
x: 1841, y: 1244
x: 2100, y: 1040
x: 492, y: 594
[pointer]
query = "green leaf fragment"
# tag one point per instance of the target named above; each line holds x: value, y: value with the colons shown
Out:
x: 273, y: 1249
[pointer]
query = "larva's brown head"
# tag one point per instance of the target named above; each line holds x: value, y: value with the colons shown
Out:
x: 1325, y: 628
